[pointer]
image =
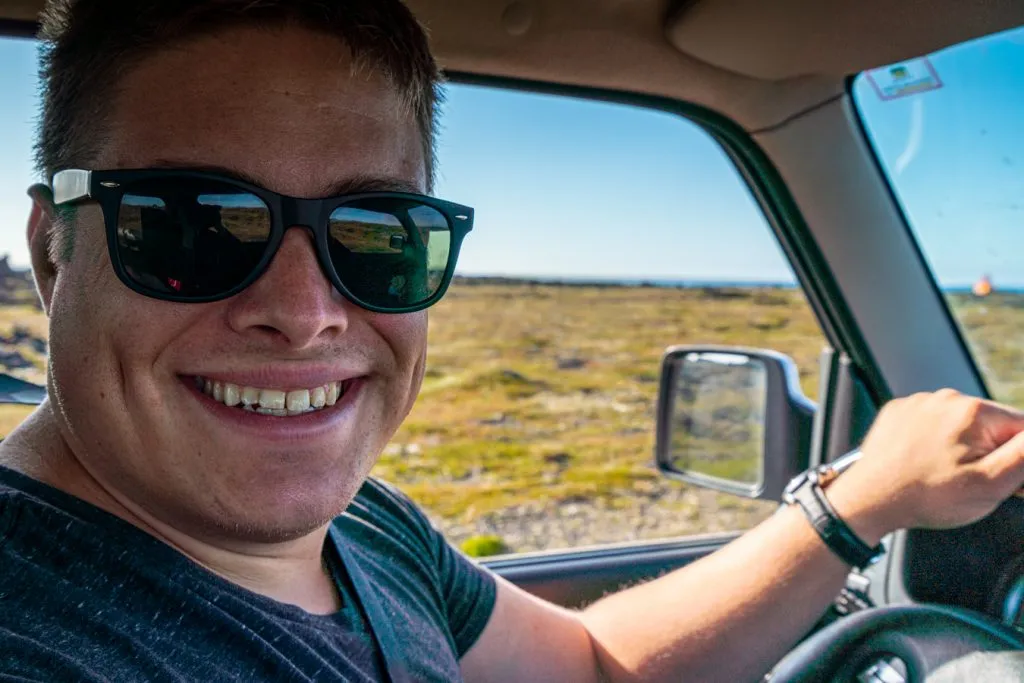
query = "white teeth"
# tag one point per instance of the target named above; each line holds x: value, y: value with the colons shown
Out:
x: 271, y: 411
x: 250, y: 396
x: 318, y: 397
x: 272, y: 398
x: 297, y: 401
x: 272, y: 401
x: 232, y: 395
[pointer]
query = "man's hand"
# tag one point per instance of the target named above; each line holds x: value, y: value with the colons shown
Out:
x: 934, y: 461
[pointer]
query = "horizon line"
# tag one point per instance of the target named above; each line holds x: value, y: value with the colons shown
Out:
x: 1013, y: 287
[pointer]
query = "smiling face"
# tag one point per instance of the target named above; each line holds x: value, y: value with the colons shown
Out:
x: 285, y: 108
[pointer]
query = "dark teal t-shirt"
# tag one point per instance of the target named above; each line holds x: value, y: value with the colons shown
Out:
x: 86, y: 596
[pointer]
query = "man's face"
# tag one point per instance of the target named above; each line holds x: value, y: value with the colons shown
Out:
x: 285, y: 108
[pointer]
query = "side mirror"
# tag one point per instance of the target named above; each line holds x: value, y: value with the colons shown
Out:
x: 733, y: 420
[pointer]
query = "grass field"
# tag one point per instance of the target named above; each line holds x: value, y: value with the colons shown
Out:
x: 540, y: 399
x: 535, y: 425
x: 994, y: 330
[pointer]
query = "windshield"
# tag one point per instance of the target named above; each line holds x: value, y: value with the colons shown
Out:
x: 948, y: 131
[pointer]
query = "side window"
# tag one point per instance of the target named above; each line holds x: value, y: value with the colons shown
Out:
x: 23, y: 326
x: 604, y: 234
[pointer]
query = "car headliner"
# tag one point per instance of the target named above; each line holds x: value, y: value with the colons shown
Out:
x: 759, y: 63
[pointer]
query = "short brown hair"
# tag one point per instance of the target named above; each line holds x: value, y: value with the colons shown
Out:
x: 88, y: 44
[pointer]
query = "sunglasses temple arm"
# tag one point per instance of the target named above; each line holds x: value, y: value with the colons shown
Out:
x: 70, y: 185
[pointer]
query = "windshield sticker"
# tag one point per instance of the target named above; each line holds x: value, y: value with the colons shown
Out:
x: 906, y: 78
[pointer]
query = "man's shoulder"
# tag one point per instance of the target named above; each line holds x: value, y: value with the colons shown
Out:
x: 377, y: 499
x: 377, y: 493
x: 411, y: 563
x: 380, y: 512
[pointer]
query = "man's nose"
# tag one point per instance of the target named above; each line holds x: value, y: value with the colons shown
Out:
x: 293, y: 302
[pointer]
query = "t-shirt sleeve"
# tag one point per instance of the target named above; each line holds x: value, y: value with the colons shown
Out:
x: 470, y: 592
x: 468, y: 589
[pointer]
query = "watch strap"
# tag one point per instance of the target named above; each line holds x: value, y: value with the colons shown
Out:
x: 836, y: 534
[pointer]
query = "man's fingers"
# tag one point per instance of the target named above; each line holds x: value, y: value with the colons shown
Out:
x: 1005, y: 465
x: 1001, y: 421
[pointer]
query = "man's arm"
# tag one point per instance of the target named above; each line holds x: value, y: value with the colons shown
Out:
x: 938, y: 460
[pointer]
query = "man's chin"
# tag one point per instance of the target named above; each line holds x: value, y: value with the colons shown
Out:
x: 269, y: 522
x: 266, y: 499
x: 270, y: 531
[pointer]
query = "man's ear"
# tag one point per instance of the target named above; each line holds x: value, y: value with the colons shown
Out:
x: 41, y: 226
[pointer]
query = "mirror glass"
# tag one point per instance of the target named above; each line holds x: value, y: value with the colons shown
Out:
x: 718, y: 418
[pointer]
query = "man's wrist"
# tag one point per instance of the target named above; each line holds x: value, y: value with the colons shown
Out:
x: 865, y: 518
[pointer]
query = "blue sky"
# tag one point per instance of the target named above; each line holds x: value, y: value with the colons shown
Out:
x: 566, y: 188
x: 956, y: 158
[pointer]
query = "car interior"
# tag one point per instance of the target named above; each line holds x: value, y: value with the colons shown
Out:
x: 771, y: 81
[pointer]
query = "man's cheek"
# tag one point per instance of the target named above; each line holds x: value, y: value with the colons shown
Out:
x: 418, y: 345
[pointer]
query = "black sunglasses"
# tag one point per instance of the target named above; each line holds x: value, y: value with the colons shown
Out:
x: 193, y: 236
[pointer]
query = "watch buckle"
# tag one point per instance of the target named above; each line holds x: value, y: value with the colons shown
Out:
x: 826, y: 475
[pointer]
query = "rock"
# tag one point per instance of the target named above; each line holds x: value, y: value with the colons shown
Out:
x: 21, y: 334
x: 561, y: 459
x: 571, y: 363
x: 13, y: 360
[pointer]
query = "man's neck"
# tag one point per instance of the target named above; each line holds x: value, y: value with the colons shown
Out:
x: 292, y: 572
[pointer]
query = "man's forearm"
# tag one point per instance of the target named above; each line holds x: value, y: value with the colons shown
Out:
x: 728, y: 617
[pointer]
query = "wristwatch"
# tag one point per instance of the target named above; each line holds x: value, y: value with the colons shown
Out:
x: 808, y: 491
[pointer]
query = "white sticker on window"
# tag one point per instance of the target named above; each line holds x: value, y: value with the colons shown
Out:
x: 906, y: 78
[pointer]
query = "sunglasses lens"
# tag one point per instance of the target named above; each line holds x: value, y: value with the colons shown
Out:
x: 390, y: 252
x: 190, y: 238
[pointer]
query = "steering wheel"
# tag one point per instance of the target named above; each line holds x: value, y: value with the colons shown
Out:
x: 924, y: 636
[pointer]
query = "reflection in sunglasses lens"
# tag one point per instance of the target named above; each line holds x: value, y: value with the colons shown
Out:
x: 389, y: 252
x: 191, y: 239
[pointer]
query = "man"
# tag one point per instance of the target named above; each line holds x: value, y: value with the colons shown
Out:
x: 236, y: 331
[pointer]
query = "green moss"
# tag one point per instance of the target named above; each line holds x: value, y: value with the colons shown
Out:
x: 485, y: 546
